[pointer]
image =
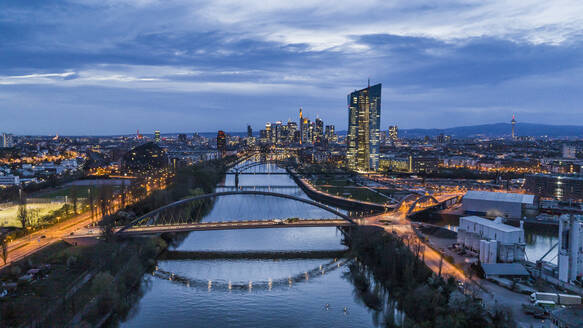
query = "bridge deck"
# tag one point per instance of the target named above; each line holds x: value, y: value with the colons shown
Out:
x: 232, y: 225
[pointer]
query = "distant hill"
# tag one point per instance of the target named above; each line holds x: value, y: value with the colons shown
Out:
x: 499, y: 130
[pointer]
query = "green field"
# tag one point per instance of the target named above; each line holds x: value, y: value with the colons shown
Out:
x: 8, y: 215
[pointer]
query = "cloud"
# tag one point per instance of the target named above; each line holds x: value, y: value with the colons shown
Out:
x: 260, y: 60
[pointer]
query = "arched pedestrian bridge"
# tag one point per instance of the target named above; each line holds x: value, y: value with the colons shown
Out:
x: 177, y: 216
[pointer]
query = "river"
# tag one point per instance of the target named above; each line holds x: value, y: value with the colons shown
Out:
x: 303, y: 292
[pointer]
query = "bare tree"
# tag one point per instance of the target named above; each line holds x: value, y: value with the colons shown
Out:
x: 4, y: 249
x: 123, y: 193
x: 91, y: 203
x: 74, y: 198
x: 22, y: 214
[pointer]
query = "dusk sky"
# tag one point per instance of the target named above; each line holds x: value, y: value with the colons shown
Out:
x: 113, y: 66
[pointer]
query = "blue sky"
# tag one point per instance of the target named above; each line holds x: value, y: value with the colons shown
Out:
x: 114, y: 66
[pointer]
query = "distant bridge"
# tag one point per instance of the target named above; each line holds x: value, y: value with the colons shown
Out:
x: 270, y: 284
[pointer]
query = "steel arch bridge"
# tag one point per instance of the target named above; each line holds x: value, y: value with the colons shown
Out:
x: 151, y: 219
x: 417, y: 199
x: 243, y: 169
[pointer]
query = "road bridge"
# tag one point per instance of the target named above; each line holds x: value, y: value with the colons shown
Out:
x: 232, y: 225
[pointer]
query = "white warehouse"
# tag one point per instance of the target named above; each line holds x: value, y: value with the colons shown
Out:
x: 493, y: 204
x: 496, y: 242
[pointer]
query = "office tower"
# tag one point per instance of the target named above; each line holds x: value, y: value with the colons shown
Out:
x: 393, y: 133
x: 249, y: 131
x: 318, y: 130
x: 182, y: 137
x: 301, y: 126
x: 292, y: 128
x: 363, y: 138
x: 513, y: 122
x: 221, y: 142
x: 330, y: 134
x: 157, y: 136
x: 441, y: 138
x: 312, y: 127
x: 305, y: 131
x: 277, y: 132
x: 7, y: 141
x: 268, y: 132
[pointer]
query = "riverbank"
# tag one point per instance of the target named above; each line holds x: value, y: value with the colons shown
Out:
x: 428, y: 300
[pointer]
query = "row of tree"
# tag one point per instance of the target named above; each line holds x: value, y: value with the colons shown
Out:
x: 388, y: 272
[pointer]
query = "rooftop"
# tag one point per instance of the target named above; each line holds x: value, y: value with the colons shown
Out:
x: 491, y: 224
x: 504, y: 269
x: 500, y: 197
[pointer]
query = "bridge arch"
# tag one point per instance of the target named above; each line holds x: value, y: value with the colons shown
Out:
x: 418, y: 198
x: 228, y: 193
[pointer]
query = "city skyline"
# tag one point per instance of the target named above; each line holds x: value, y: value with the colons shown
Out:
x: 165, y: 65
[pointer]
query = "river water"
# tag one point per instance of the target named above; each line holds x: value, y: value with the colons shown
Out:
x: 255, y: 292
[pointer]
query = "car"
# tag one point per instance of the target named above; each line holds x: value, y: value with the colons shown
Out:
x: 43, y: 236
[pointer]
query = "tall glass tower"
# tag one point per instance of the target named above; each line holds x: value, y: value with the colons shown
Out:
x: 364, y: 120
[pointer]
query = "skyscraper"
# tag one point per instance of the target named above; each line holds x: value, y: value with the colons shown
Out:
x: 330, y: 134
x: 301, y: 126
x: 221, y: 142
x: 363, y: 138
x: 249, y: 131
x: 393, y: 133
x: 318, y: 130
x: 157, y: 136
x: 268, y: 132
x: 6, y: 141
x: 513, y: 122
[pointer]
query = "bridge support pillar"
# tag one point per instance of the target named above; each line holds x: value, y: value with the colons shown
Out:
x: 236, y: 180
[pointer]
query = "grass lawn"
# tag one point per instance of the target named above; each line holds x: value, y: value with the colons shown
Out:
x: 82, y: 192
x: 8, y: 215
x: 361, y: 194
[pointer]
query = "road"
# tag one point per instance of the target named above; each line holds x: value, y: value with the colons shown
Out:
x: 22, y: 247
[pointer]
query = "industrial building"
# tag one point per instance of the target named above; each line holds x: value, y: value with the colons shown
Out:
x: 494, y: 204
x: 495, y: 241
x: 570, y: 247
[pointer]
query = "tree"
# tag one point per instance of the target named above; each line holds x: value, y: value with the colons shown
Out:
x: 91, y: 203
x: 4, y: 247
x: 107, y: 226
x: 123, y: 193
x: 74, y: 198
x: 22, y: 214
x: 104, y: 287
